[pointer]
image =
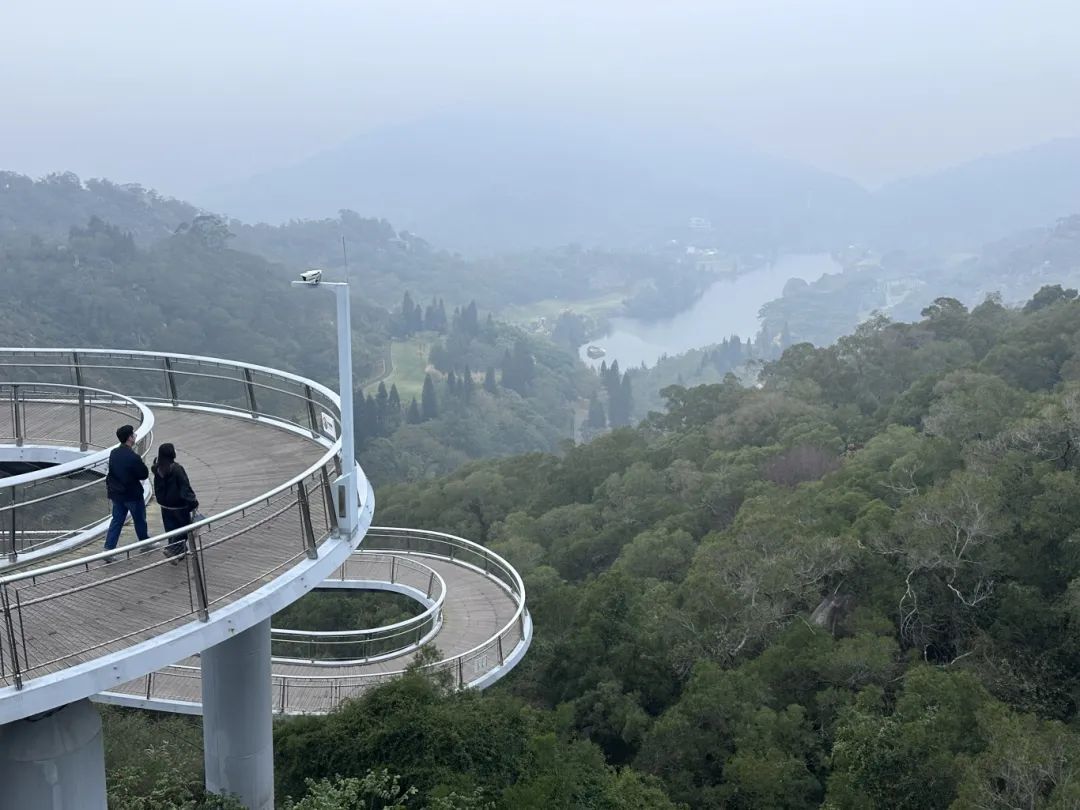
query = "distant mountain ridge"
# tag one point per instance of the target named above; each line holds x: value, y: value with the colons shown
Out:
x: 508, y: 182
x: 983, y: 199
x: 488, y: 183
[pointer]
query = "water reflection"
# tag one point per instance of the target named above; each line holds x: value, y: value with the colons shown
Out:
x: 728, y: 307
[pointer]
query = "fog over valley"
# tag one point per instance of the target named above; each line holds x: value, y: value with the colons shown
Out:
x: 527, y: 406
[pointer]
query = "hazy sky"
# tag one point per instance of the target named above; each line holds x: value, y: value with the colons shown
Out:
x: 188, y: 95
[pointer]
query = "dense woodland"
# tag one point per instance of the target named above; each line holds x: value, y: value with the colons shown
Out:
x: 193, y: 292
x: 845, y: 578
x: 855, y: 586
x: 385, y: 261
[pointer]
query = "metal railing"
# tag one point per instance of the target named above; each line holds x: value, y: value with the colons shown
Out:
x: 347, y: 647
x: 74, y: 610
x: 47, y: 421
x: 321, y: 693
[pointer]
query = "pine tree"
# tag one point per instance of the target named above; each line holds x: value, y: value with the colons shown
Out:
x: 509, y: 375
x: 418, y: 319
x: 626, y: 400
x: 451, y: 383
x: 519, y: 368
x: 406, y: 315
x: 412, y: 416
x: 621, y: 403
x: 360, y: 420
x: 371, y: 414
x: 429, y: 406
x: 440, y: 317
x: 489, y: 380
x: 381, y: 402
x: 596, y: 419
x: 470, y: 320
x: 393, y: 410
x: 467, y: 385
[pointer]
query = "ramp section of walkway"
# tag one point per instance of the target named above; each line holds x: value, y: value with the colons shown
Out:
x: 484, y: 628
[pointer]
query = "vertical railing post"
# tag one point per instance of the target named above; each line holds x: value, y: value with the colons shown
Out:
x: 16, y: 416
x: 149, y: 684
x: 460, y: 672
x: 13, y: 553
x: 9, y: 628
x: 393, y: 569
x: 84, y: 439
x: 305, y: 521
x: 430, y: 583
x: 202, y: 602
x: 313, y: 418
x: 249, y: 384
x: 502, y: 660
x: 170, y: 381
x: 76, y: 367
x: 328, y: 496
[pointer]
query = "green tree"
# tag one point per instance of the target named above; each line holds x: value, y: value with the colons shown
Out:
x: 596, y: 420
x: 429, y: 406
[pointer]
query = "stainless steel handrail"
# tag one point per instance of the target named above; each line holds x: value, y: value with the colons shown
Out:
x: 321, y: 693
x: 83, y: 401
x: 376, y: 642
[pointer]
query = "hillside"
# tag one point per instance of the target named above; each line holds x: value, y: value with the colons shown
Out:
x: 981, y: 200
x: 852, y: 587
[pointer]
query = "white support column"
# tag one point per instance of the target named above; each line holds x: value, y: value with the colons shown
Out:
x: 238, y: 739
x: 55, y: 761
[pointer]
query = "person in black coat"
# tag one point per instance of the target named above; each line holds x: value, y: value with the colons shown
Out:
x: 174, y: 495
x: 123, y: 484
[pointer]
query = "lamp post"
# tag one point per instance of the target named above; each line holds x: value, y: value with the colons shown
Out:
x: 313, y: 279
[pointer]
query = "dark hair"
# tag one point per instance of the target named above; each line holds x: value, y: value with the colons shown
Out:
x: 166, y: 455
x: 124, y: 432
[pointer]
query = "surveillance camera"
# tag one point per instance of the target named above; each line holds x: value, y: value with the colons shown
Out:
x: 311, y: 276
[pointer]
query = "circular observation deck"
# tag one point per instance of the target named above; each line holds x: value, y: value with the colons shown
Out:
x: 262, y: 450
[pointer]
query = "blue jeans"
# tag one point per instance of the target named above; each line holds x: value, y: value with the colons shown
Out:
x: 120, y: 510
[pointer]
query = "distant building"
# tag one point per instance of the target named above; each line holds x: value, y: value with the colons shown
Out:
x: 700, y: 224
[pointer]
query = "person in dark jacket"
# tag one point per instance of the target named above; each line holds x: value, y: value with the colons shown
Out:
x: 123, y: 484
x: 174, y: 495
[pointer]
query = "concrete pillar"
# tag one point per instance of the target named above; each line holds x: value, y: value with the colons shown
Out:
x: 55, y: 761
x: 238, y: 739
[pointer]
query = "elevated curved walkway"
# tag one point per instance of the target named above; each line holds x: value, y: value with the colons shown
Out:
x: 478, y: 623
x: 261, y: 449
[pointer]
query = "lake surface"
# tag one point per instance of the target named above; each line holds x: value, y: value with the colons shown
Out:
x: 729, y: 307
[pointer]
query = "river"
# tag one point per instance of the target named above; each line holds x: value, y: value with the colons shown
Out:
x: 728, y: 307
